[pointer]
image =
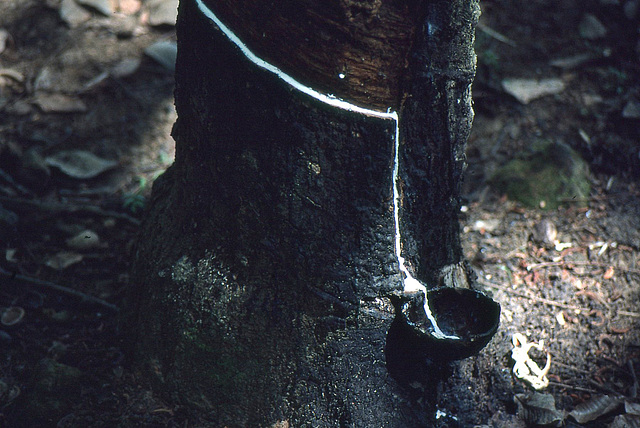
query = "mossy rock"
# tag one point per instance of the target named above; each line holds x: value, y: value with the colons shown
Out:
x: 549, y: 175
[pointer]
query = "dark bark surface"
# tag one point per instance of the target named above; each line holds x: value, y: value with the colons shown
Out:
x: 268, y: 248
x: 436, y: 119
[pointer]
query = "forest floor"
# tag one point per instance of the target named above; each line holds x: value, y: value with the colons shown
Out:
x: 85, y: 120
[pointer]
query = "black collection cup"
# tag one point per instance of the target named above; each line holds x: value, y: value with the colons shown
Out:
x: 412, y: 345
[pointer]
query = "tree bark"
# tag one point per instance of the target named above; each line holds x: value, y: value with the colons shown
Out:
x: 267, y: 255
x: 436, y: 120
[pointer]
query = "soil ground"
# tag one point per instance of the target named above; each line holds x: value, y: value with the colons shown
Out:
x: 62, y: 363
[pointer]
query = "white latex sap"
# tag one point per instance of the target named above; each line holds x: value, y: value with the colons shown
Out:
x: 410, y: 284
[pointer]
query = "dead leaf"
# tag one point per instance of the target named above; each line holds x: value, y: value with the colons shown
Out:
x: 594, y: 408
x: 162, y: 12
x: 591, y: 28
x: 164, y: 52
x: 79, y: 163
x: 4, y: 38
x: 527, y: 90
x: 12, y: 74
x: 632, y: 408
x: 626, y: 421
x: 59, y: 103
x: 545, y: 232
x: 101, y: 6
x: 538, y: 409
x: 84, y: 240
x: 631, y: 110
x: 125, y: 68
x: 63, y: 260
x: 572, y: 62
x: 12, y: 316
x: 72, y: 13
x: 10, y: 255
x: 45, y: 79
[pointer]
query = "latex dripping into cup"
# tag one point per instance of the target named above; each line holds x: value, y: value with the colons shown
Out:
x: 440, y: 324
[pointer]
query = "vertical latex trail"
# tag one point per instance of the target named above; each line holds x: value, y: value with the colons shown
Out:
x: 408, y: 281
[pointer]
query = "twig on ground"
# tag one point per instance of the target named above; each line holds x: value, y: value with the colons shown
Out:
x: 587, y: 199
x: 499, y: 37
x: 59, y: 288
x: 489, y: 284
x: 576, y: 388
x: 54, y: 207
x: 629, y: 314
x: 575, y: 263
x: 575, y: 369
x: 604, y: 387
x: 526, y: 296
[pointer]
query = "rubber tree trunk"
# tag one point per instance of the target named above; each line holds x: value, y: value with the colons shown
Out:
x: 267, y: 252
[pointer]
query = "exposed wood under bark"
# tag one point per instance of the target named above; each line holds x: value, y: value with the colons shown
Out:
x: 355, y: 50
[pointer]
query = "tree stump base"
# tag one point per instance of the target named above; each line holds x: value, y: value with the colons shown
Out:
x: 268, y: 248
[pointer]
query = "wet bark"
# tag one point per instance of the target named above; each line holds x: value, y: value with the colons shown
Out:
x: 264, y: 263
x: 436, y: 120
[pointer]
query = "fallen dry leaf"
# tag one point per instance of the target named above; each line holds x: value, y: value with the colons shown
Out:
x: 103, y: 7
x: 164, y: 52
x: 538, y: 409
x: 84, y: 240
x: 12, y: 316
x: 79, y: 163
x: 162, y: 12
x: 72, y: 13
x: 12, y: 74
x: 125, y: 67
x: 4, y: 38
x: 594, y: 408
x: 527, y: 90
x: 63, y: 260
x: 59, y: 103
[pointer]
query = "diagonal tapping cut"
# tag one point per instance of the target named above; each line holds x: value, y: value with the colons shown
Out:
x: 410, y: 284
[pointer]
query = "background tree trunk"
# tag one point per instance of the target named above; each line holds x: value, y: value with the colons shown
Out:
x: 268, y: 248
